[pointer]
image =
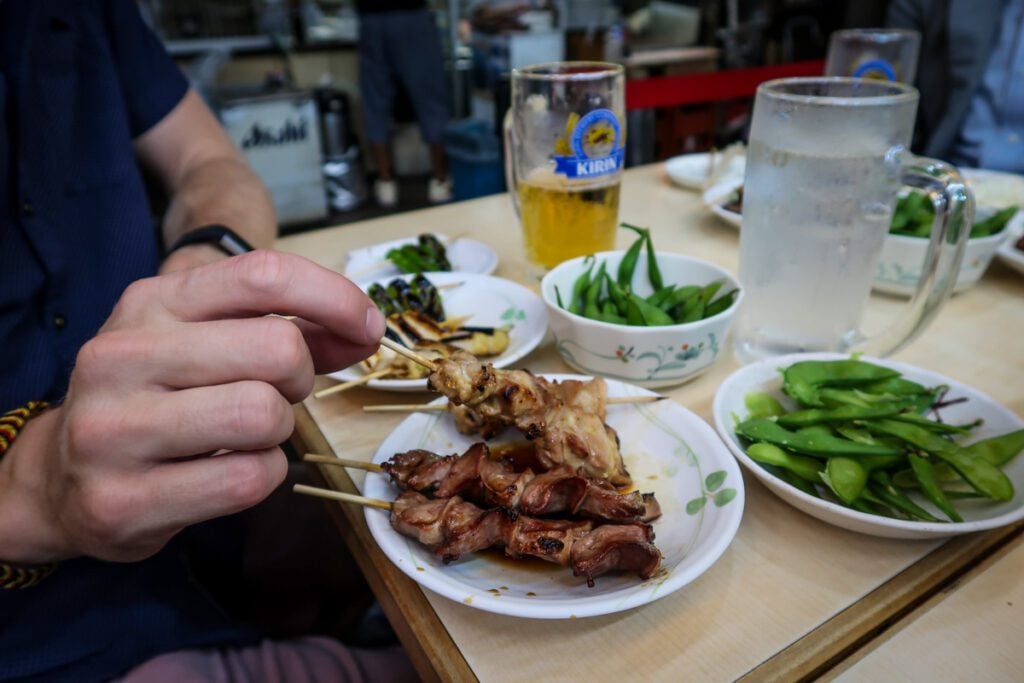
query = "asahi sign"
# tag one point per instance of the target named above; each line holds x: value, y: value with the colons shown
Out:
x: 280, y: 138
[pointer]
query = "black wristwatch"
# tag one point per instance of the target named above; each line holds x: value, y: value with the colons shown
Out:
x: 220, y: 236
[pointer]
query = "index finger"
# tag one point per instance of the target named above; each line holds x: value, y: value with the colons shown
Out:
x: 263, y: 282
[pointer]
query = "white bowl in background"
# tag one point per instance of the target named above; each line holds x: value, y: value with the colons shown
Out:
x: 647, y: 356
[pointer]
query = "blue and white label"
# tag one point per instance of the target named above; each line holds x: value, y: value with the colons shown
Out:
x: 596, y: 143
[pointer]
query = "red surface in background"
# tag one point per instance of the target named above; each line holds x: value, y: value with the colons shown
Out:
x: 714, y: 86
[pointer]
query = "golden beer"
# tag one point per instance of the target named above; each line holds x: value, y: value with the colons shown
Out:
x: 563, y: 220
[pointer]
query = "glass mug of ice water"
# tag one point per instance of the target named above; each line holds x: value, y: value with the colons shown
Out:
x: 888, y: 54
x: 564, y: 150
x: 825, y: 162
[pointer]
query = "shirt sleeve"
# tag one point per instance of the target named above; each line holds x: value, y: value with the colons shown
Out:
x: 152, y: 84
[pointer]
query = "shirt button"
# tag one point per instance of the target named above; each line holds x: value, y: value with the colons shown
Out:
x: 28, y: 209
x: 59, y: 321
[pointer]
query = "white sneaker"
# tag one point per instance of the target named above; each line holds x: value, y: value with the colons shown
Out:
x: 439, y: 191
x: 386, y: 193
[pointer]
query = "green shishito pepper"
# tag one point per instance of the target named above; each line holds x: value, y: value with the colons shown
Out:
x: 914, y: 215
x: 614, y: 300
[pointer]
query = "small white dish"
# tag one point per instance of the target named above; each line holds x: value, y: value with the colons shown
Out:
x: 493, y: 302
x: 1008, y: 252
x: 465, y: 255
x: 764, y: 376
x: 690, y: 171
x: 650, y: 357
x: 718, y: 195
x: 667, y: 449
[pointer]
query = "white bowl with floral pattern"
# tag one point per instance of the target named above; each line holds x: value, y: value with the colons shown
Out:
x: 646, y: 356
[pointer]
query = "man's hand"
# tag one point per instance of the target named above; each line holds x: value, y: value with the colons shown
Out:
x: 175, y: 409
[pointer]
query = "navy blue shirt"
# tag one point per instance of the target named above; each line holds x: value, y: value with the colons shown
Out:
x: 79, y: 80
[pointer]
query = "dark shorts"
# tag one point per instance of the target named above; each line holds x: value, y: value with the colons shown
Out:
x: 405, y: 48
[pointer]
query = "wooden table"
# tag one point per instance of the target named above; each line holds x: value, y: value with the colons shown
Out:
x: 792, y: 597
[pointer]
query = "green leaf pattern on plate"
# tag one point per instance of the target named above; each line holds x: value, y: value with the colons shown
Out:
x: 661, y: 360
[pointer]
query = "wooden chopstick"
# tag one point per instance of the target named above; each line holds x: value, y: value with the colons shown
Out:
x: 408, y: 353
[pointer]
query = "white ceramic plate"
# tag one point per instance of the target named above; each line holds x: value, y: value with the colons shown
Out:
x: 667, y: 449
x: 493, y: 302
x: 716, y: 196
x: 995, y: 189
x: 465, y: 255
x: 690, y: 171
x: 764, y: 376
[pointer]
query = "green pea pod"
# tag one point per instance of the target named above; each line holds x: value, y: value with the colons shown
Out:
x: 817, y: 444
x: 693, y: 310
x: 652, y: 315
x: 760, y: 404
x: 708, y: 291
x: 653, y: 270
x: 681, y: 294
x: 616, y: 294
x: 936, y: 427
x: 627, y: 266
x: 998, y: 450
x: 768, y: 454
x: 981, y: 474
x: 798, y: 482
x: 579, y: 288
x: 721, y: 303
x: 802, y: 380
x: 660, y: 296
x: 925, y: 474
x: 591, y: 307
x: 857, y: 434
x: 845, y: 477
x: 883, y: 487
x: 810, y: 416
x: 877, y: 505
x: 633, y: 314
x: 994, y: 223
x: 614, y: 318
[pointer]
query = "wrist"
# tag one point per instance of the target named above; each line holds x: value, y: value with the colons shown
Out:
x: 29, y: 532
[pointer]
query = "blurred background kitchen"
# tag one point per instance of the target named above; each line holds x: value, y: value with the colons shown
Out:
x: 283, y: 75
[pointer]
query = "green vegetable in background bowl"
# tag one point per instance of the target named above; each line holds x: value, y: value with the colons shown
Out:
x: 914, y: 215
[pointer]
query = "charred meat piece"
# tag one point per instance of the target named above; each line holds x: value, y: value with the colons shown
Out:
x: 453, y: 528
x: 478, y: 477
x: 564, y: 419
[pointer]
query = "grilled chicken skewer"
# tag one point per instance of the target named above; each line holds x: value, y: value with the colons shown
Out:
x: 477, y: 477
x: 453, y: 528
x: 565, y: 420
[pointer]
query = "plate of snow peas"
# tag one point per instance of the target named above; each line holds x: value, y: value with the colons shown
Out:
x: 875, y: 446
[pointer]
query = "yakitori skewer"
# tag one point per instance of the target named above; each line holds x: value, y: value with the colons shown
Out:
x: 358, y: 381
x: 441, y: 407
x: 331, y: 494
x: 408, y: 353
x: 343, y: 462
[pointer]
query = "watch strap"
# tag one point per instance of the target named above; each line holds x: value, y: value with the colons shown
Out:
x: 220, y: 236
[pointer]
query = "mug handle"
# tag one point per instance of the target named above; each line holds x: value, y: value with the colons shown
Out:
x: 511, y: 180
x: 954, y: 214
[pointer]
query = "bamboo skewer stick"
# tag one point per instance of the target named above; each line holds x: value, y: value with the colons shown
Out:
x: 331, y: 494
x: 358, y: 381
x: 408, y: 353
x: 441, y: 407
x: 342, y: 462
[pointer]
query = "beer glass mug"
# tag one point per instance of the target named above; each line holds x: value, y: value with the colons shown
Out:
x: 888, y: 54
x: 826, y: 159
x: 564, y: 147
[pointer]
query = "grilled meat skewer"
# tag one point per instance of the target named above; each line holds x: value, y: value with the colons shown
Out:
x: 452, y: 528
x: 565, y: 420
x: 477, y: 477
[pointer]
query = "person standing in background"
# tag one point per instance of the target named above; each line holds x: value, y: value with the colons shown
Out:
x: 399, y: 45
x: 971, y: 79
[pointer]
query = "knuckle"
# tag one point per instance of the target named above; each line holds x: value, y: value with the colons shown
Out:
x: 135, y: 299
x: 84, y: 432
x: 259, y: 410
x: 287, y: 347
x: 247, y: 482
x: 264, y: 273
x: 105, y: 512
